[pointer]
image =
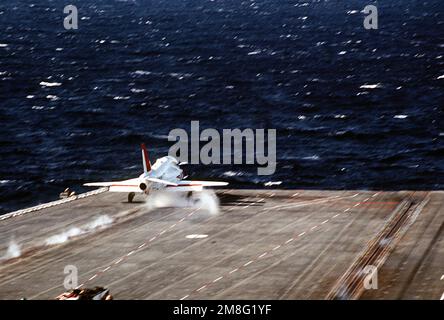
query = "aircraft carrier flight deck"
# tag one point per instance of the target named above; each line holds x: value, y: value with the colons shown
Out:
x: 262, y: 244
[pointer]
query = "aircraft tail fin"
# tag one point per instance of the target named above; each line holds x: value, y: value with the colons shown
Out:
x: 146, y: 159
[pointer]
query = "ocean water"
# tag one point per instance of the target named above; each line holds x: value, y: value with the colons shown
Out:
x: 353, y: 108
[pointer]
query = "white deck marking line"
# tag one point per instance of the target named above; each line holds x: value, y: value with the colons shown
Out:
x: 254, y: 202
x: 237, y: 205
x: 338, y: 214
x: 93, y: 277
x: 249, y: 262
x: 366, y: 199
x: 375, y: 194
x: 277, y: 247
x: 289, y: 240
x: 106, y: 269
x: 296, y: 194
x: 305, y: 203
x: 216, y: 280
x: 312, y: 228
x: 272, y: 195
x: 262, y: 255
x: 234, y: 270
x: 442, y: 296
x: 301, y: 234
x: 348, y: 209
x: 130, y: 253
x: 118, y: 261
x: 142, y: 245
x: 152, y: 239
x: 184, y: 297
x: 162, y: 232
x: 357, y: 204
x: 297, y: 204
x: 355, y: 195
x: 325, y: 221
x: 201, y: 288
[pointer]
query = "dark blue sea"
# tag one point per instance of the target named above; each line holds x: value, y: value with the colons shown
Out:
x: 353, y: 108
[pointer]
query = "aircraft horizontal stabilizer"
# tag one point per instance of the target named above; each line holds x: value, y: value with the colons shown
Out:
x: 168, y: 183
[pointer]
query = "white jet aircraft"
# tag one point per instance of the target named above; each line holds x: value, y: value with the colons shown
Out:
x: 165, y: 174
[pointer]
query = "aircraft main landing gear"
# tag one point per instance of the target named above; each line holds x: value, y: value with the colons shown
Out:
x: 131, y: 196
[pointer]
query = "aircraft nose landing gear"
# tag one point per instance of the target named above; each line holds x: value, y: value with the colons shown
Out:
x: 131, y: 196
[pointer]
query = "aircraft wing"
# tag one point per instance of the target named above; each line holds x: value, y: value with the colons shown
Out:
x: 188, y: 185
x: 205, y: 183
x: 131, y: 185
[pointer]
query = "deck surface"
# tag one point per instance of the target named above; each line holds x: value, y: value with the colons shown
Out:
x: 263, y: 244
